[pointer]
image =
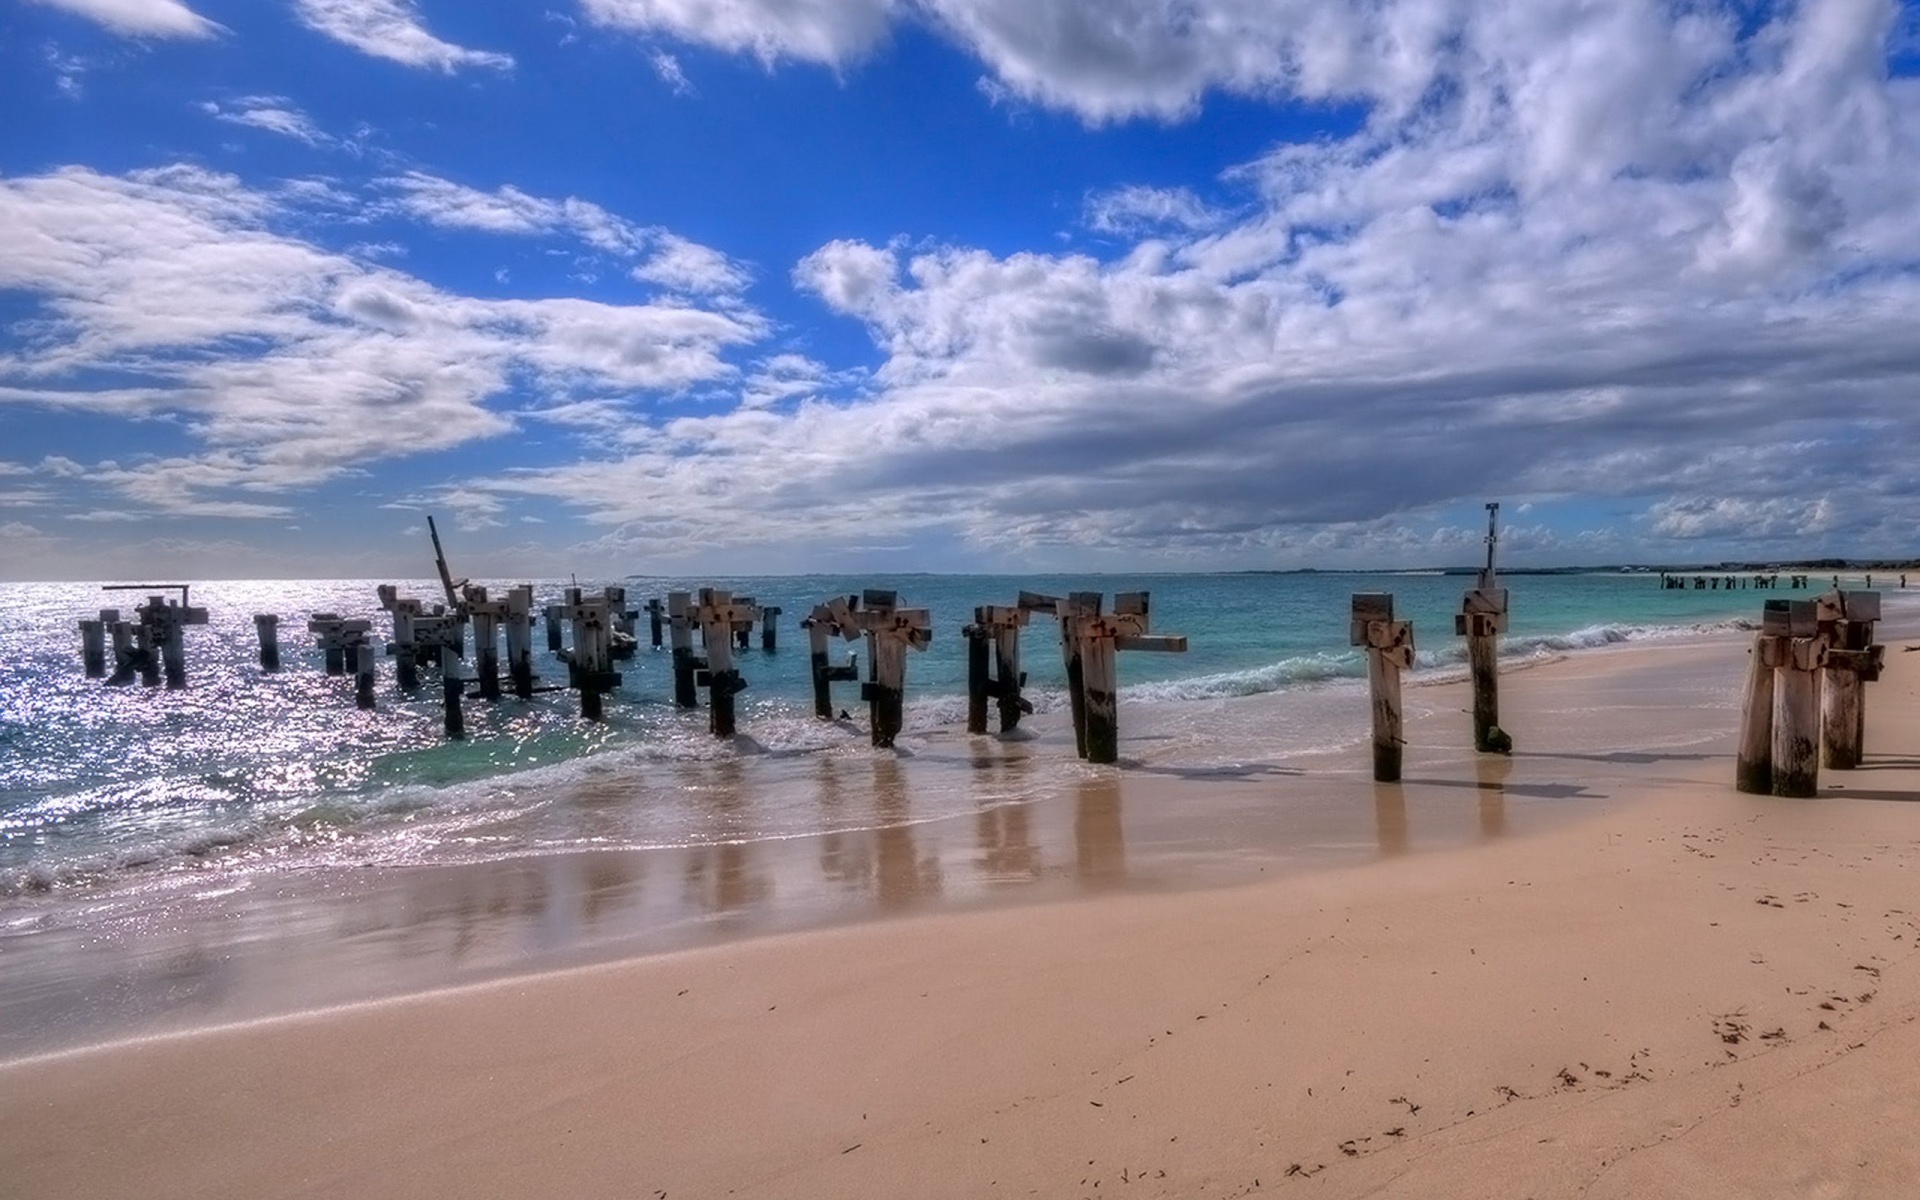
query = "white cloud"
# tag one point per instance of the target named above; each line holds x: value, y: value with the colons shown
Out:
x: 141, y: 18
x: 392, y: 29
x: 275, y: 114
x: 684, y: 266
x: 288, y: 363
x: 1632, y: 252
x: 829, y: 32
x: 1136, y: 210
x: 508, y: 210
x: 667, y: 67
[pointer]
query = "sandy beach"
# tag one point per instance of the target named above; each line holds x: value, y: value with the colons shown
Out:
x: 1683, y: 992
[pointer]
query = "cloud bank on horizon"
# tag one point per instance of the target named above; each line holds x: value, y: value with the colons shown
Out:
x: 956, y: 284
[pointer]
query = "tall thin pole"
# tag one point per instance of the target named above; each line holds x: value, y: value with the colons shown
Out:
x: 440, y: 564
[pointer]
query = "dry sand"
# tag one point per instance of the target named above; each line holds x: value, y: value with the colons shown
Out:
x: 1695, y: 993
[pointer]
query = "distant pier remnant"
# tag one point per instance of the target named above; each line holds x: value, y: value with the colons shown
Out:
x: 742, y: 628
x: 891, y: 631
x: 452, y: 688
x: 834, y: 618
x: 158, y: 636
x: 268, y: 627
x: 363, y: 674
x: 1481, y: 620
x: 486, y: 616
x: 1389, y: 647
x: 768, y: 641
x: 656, y: 611
x: 721, y: 617
x: 1846, y: 621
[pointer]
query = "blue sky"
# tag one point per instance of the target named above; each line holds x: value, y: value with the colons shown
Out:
x: 779, y: 285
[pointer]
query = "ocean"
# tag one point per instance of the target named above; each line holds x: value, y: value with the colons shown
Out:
x: 243, y: 767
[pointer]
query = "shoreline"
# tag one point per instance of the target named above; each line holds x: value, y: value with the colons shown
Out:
x: 1694, y: 992
x: 1041, y: 829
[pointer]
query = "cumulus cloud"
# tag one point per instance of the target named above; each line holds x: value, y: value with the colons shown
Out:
x: 1638, y: 252
x: 291, y: 364
x: 392, y: 29
x: 828, y: 32
x: 684, y: 266
x: 141, y: 18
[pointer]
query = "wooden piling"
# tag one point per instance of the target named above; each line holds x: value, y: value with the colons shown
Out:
x: 93, y: 647
x: 1482, y: 619
x: 120, y: 637
x: 769, y: 642
x: 267, y: 625
x: 590, y: 665
x: 452, y: 689
x: 555, y: 643
x: 1840, y: 705
x: 406, y: 662
x: 1796, y: 721
x: 1847, y: 621
x: 363, y: 676
x: 1753, y: 765
x: 1389, y: 648
x: 655, y: 611
x: 520, y: 640
x: 685, y: 691
x: 721, y: 618
x: 1078, y: 605
x: 1007, y: 677
x: 485, y: 615
x: 1100, y: 687
x: 979, y: 637
x: 829, y: 619
x: 891, y: 631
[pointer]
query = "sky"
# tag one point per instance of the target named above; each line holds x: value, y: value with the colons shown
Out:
x: 746, y: 286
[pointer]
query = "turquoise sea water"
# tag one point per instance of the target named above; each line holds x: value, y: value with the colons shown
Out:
x: 242, y: 770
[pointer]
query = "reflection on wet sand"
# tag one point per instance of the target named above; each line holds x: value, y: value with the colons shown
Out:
x: 1492, y: 770
x: 1100, y: 845
x: 723, y: 878
x: 1390, y: 818
x: 903, y: 877
x: 1003, y: 823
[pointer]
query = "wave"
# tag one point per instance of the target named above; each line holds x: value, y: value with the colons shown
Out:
x: 1330, y: 666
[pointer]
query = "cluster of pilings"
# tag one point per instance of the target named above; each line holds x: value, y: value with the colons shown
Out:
x: 150, y: 646
x: 1805, y: 701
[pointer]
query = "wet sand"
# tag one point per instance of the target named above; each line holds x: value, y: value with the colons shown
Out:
x: 1666, y: 989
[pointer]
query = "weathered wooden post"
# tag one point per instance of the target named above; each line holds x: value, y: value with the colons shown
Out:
x: 680, y: 623
x: 1101, y: 638
x: 833, y: 618
x: 590, y: 668
x: 1753, y: 765
x: 1794, y: 624
x: 1481, y: 620
x: 402, y: 648
x: 166, y: 624
x: 520, y: 640
x: 1076, y: 607
x: 620, y: 618
x: 125, y: 658
x: 1389, y: 647
x: 768, y: 642
x: 1846, y: 622
x: 979, y: 637
x: 326, y: 628
x: 655, y: 611
x: 996, y: 630
x: 93, y: 647
x: 891, y: 631
x: 363, y: 675
x: 485, y: 615
x: 452, y: 687
x: 721, y: 619
x: 146, y: 653
x: 554, y: 617
x: 267, y: 625
x: 741, y: 631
